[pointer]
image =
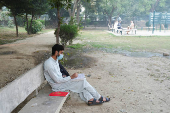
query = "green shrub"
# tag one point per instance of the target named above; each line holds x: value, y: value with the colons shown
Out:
x: 147, y: 24
x: 42, y: 21
x: 67, y: 33
x: 36, y: 26
x: 10, y: 24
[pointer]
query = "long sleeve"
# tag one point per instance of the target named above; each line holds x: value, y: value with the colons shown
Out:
x: 52, y: 72
x: 56, y: 77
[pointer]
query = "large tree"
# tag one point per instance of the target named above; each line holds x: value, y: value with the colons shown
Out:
x: 58, y: 4
x: 16, y: 9
x: 35, y: 7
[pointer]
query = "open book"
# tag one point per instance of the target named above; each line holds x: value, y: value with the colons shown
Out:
x: 80, y: 77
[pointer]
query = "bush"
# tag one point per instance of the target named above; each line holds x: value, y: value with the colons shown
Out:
x: 10, y: 24
x: 147, y: 24
x: 36, y: 26
x: 67, y: 33
x: 42, y: 21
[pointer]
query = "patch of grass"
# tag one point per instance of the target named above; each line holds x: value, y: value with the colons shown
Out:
x: 76, y: 46
x: 6, y: 41
x: 8, y: 35
x: 100, y: 45
x: 103, y: 39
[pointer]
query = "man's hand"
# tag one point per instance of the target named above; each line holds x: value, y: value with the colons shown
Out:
x: 64, y: 76
x: 75, y: 75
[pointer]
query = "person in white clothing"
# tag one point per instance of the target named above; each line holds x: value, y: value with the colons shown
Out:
x: 132, y: 26
x: 60, y: 82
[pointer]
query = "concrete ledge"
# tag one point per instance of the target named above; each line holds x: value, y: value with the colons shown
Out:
x: 44, y: 103
x: 17, y: 91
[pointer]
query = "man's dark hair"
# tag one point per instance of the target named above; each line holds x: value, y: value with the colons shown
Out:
x: 57, y: 47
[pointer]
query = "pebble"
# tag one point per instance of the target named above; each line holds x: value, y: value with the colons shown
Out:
x: 165, y: 54
x: 88, y: 75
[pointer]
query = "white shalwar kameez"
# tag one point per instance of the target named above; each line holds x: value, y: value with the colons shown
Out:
x: 58, y: 83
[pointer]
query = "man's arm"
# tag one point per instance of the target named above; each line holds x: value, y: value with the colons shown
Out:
x: 57, y: 78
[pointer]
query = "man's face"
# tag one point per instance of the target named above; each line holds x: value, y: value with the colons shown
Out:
x: 58, y: 53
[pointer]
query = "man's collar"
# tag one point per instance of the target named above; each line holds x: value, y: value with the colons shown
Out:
x: 54, y: 60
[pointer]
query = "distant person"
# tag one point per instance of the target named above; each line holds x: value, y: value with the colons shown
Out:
x: 132, y: 26
x: 119, y: 26
x: 61, y: 82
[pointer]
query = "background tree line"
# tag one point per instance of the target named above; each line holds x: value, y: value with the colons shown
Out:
x: 104, y: 10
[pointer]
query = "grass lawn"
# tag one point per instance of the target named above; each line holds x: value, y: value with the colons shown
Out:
x: 103, y: 39
x: 8, y: 35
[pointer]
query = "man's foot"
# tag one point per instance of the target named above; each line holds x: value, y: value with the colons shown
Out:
x: 104, y: 99
x: 94, y: 102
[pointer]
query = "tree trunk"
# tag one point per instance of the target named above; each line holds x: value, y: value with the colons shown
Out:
x: 78, y: 12
x: 27, y: 23
x: 30, y: 29
x: 110, y: 20
x: 72, y: 13
x: 74, y: 7
x: 154, y: 5
x: 15, y: 20
x: 58, y: 28
x: 69, y: 11
x: 85, y: 19
x: 110, y: 15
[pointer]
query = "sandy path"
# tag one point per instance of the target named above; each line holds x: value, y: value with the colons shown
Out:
x: 19, y: 57
x: 135, y: 85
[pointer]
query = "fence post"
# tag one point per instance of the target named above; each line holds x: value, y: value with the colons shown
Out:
x: 160, y: 15
x: 153, y: 22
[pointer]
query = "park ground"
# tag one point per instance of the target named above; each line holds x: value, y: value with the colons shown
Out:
x: 130, y: 70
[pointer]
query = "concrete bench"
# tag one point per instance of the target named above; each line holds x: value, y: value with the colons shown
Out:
x: 44, y: 103
x: 15, y: 93
x: 126, y: 30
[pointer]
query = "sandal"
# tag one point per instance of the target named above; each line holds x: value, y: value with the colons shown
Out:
x: 101, y: 99
x: 90, y: 103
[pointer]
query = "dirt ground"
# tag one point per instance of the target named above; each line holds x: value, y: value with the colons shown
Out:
x: 19, y: 57
x: 135, y: 85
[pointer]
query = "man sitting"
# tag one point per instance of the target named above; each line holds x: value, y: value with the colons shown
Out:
x: 119, y: 26
x: 60, y: 82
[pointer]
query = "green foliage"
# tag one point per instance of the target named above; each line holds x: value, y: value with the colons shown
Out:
x: 36, y: 26
x: 147, y: 24
x: 72, y: 21
x: 4, y: 15
x: 20, y: 21
x: 76, y: 46
x: 60, y: 3
x: 42, y: 21
x: 67, y: 33
x: 10, y: 24
x: 88, y: 21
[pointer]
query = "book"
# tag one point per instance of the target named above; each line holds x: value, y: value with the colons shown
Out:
x: 59, y: 93
x: 80, y: 77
